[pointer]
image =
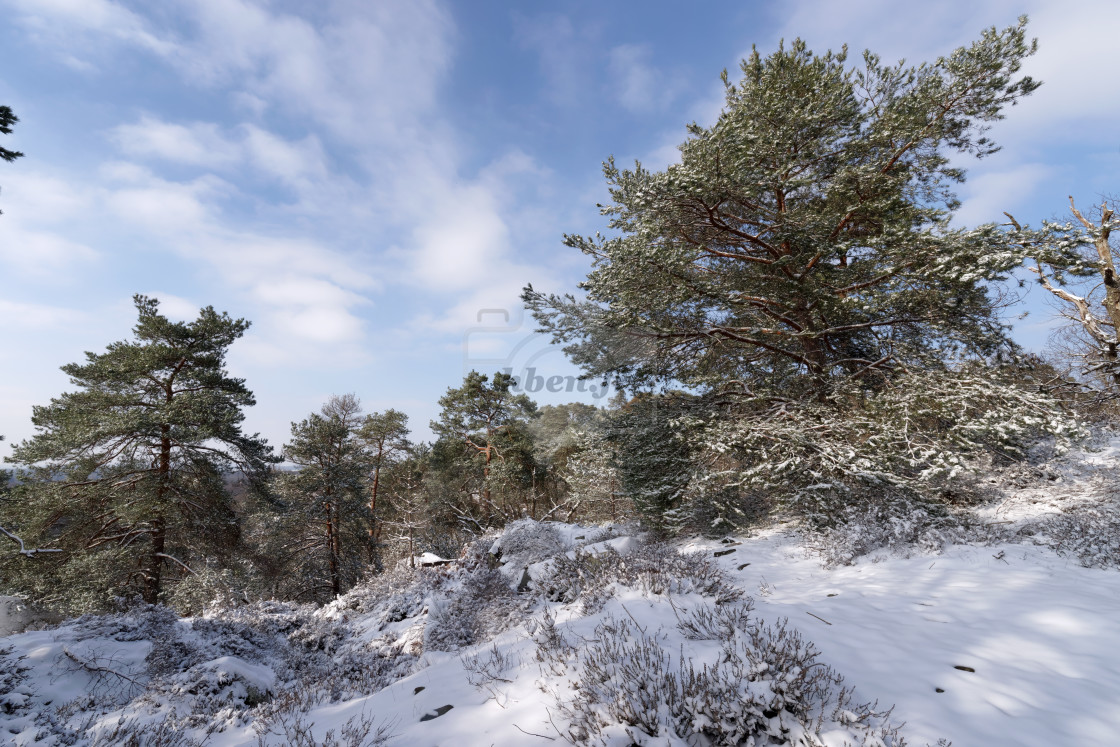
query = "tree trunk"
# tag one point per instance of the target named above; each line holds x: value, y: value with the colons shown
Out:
x: 486, y: 477
x: 373, y: 528
x: 155, y: 562
x: 1111, y: 281
x: 154, y: 571
x: 332, y: 557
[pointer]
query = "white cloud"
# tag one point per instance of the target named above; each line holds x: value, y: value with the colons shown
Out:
x: 197, y: 144
x: 36, y: 317
x: 639, y: 85
x: 30, y: 244
x: 175, y: 307
x: 205, y: 145
x: 991, y: 192
x: 74, y: 27
x: 365, y: 78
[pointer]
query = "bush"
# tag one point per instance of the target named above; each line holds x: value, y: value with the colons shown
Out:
x: 480, y: 609
x: 767, y: 687
x: 653, y: 568
x: 840, y: 533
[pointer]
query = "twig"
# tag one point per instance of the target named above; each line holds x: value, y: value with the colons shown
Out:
x: 176, y: 560
x: 531, y: 734
x: 826, y: 622
x: 98, y: 669
x: 633, y: 618
x: 23, y: 548
x: 554, y: 726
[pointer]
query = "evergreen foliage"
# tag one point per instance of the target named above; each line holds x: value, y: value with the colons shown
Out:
x: 804, y: 238
x: 482, y: 423
x: 7, y: 120
x: 384, y: 437
x: 126, y: 474
x: 652, y: 461
x: 325, y: 517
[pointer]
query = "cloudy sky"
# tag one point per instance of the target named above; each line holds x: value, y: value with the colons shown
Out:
x: 373, y: 182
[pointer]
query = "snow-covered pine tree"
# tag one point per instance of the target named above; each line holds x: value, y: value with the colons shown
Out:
x: 126, y: 474
x: 797, y: 271
x: 412, y: 510
x: 653, y: 453
x: 595, y: 491
x: 804, y: 237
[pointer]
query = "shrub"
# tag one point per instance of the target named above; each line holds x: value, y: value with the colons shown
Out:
x: 767, y: 687
x: 653, y: 568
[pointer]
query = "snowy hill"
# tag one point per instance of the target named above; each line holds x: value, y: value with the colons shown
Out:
x: 997, y: 632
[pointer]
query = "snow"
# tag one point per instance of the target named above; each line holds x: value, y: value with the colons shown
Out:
x: 1003, y: 641
x: 1039, y: 631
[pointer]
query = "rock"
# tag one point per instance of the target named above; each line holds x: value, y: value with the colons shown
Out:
x: 436, y: 713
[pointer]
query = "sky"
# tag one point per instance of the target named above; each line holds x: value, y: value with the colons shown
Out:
x: 373, y: 183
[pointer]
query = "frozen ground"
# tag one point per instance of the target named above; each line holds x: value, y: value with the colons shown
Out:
x: 1001, y: 642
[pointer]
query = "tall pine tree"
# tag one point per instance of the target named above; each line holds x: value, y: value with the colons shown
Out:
x: 324, y: 527
x: 127, y: 473
x: 805, y: 237
x: 486, y: 420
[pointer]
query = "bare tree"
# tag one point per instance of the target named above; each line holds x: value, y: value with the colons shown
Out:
x: 1076, y: 263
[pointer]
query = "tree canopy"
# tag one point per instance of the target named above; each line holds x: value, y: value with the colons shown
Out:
x: 127, y: 473
x: 804, y: 238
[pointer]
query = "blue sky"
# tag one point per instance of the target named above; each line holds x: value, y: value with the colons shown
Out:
x: 372, y: 183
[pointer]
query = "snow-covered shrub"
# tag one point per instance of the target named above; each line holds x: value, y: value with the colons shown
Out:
x: 1088, y: 531
x: 484, y: 669
x: 652, y: 567
x: 13, y: 696
x: 765, y: 687
x: 721, y: 622
x: 483, y: 606
x: 841, y: 533
x: 208, y: 586
x: 291, y: 730
x: 525, y: 542
x: 923, y: 438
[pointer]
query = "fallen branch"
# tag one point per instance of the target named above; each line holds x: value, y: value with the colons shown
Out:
x: 826, y: 622
x: 542, y: 736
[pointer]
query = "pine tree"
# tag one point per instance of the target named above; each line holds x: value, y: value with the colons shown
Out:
x: 652, y: 458
x: 126, y: 474
x: 486, y: 419
x: 412, y: 510
x: 804, y: 238
x: 325, y: 516
x: 384, y: 436
x: 7, y: 120
x: 7, y: 531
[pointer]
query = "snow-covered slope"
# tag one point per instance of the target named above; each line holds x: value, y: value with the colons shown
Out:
x: 1003, y: 641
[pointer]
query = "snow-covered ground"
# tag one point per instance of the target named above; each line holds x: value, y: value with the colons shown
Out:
x: 1001, y: 642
